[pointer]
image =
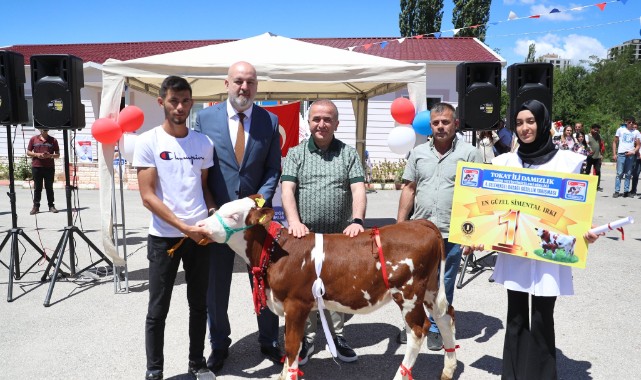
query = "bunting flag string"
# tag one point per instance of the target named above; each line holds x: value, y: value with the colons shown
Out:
x: 564, y: 29
x: 511, y: 17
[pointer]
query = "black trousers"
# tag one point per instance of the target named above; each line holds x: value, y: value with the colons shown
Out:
x: 529, y: 351
x: 596, y: 162
x: 162, y: 275
x: 41, y: 175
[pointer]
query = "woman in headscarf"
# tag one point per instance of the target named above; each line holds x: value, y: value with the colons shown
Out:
x: 529, y: 350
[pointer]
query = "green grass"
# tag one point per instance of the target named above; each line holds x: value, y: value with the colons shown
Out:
x: 561, y: 256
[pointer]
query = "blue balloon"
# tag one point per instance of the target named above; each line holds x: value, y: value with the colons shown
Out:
x: 421, y: 123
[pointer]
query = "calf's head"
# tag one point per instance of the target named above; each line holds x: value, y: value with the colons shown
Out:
x: 543, y: 234
x: 237, y: 216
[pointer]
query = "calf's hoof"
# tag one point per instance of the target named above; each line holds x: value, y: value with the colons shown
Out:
x: 445, y: 376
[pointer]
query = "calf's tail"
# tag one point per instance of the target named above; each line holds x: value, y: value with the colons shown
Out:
x: 441, y: 304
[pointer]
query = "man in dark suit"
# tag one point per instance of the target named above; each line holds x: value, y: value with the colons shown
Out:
x: 246, y: 161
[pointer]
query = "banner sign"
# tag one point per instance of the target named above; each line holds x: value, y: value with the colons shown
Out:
x: 84, y: 151
x: 288, y: 124
x: 537, y: 214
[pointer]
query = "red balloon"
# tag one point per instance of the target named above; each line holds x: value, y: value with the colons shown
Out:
x: 106, y: 131
x: 131, y: 118
x: 403, y: 111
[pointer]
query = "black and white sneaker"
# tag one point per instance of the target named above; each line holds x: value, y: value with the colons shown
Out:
x: 153, y: 375
x: 199, y: 370
x: 343, y: 351
x: 305, y: 352
x: 434, y: 341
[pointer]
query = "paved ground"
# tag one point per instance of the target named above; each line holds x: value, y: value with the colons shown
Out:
x: 90, y: 332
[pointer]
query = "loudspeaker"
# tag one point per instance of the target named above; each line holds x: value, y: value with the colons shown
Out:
x: 479, y: 95
x: 526, y: 81
x: 13, y: 105
x: 56, y: 81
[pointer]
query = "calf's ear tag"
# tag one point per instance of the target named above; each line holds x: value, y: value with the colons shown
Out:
x: 260, y: 202
x: 262, y: 219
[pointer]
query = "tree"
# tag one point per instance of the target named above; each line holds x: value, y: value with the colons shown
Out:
x: 467, y: 13
x: 420, y: 17
x: 571, y: 95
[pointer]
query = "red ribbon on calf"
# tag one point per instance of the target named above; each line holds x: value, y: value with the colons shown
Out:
x: 376, y: 234
x: 259, y: 272
x: 406, y: 372
x: 295, y: 373
x: 451, y: 349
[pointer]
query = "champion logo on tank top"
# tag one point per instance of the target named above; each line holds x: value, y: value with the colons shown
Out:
x: 167, y: 156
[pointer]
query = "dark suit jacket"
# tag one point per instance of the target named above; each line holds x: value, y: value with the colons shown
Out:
x: 260, y: 168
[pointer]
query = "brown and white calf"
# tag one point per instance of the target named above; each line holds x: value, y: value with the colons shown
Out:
x: 351, y: 272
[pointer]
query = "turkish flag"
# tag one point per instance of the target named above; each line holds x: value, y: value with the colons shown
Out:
x: 288, y: 120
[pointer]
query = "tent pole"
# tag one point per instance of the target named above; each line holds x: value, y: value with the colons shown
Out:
x: 360, y: 111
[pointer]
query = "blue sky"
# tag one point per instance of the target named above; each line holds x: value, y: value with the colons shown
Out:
x: 571, y: 34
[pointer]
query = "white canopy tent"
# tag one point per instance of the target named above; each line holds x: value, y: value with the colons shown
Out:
x: 287, y: 69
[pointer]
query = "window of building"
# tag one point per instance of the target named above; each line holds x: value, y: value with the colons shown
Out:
x: 196, y: 107
x: 431, y: 100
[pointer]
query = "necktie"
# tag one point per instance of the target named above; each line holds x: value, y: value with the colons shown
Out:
x: 239, y: 148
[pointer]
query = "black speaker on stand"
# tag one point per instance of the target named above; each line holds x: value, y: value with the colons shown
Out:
x: 479, y: 96
x: 13, y: 111
x: 56, y: 82
x: 527, y: 81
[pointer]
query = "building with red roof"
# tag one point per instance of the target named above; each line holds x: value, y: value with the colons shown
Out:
x: 440, y: 55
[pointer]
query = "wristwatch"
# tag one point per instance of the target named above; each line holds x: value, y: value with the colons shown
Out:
x: 357, y: 221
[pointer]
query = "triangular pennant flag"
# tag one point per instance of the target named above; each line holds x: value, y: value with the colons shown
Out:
x: 601, y: 6
x: 383, y: 44
x: 456, y: 31
x: 474, y: 26
x: 494, y: 23
x: 400, y: 40
x: 623, y: 1
x: 367, y: 46
x: 351, y: 48
x: 512, y: 16
x: 437, y: 35
x: 418, y: 37
x: 554, y: 10
x: 535, y: 16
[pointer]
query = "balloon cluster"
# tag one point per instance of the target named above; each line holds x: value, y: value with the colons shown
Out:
x: 402, y: 138
x: 108, y: 131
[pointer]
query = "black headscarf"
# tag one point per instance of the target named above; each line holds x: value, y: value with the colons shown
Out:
x: 542, y: 149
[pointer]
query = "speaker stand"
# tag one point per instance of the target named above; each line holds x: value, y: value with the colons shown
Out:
x: 68, y: 236
x: 16, y: 232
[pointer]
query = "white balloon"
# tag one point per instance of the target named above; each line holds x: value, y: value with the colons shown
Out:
x: 127, y: 144
x: 401, y: 139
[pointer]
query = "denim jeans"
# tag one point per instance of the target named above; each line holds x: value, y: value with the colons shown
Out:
x: 624, y: 169
x: 162, y: 275
x: 452, y: 261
